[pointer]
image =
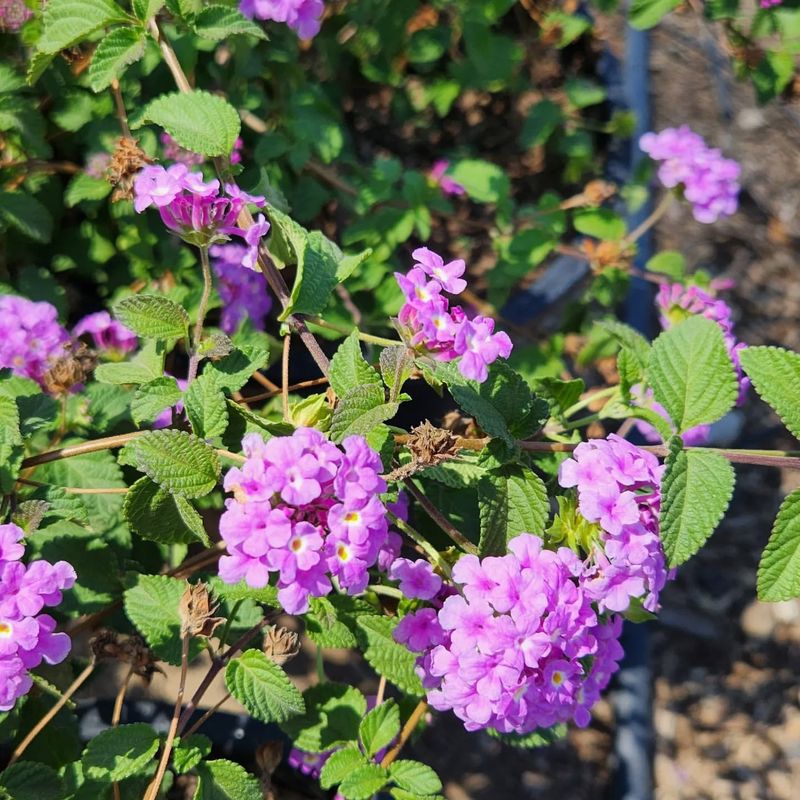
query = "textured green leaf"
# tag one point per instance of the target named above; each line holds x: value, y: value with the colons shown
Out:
x: 10, y: 443
x: 457, y: 473
x: 333, y: 714
x: 779, y: 569
x: 695, y: 492
x: 206, y: 407
x: 67, y: 22
x: 601, y: 223
x: 153, y: 606
x: 397, y: 364
x: 147, y: 9
x: 483, y: 181
x: 188, y: 753
x: 25, y: 213
x: 332, y: 621
x: 153, y: 316
x: 28, y: 780
x: 691, y: 373
x: 121, y: 752
x: 234, y: 370
x: 560, y: 394
x: 218, y: 22
x: 233, y: 592
x: 415, y: 777
x: 541, y: 122
x: 151, y: 398
x: 629, y: 339
x: 380, y: 727
x: 118, y: 50
x: 340, y: 765
x: 775, y: 374
x: 176, y: 460
x: 85, y: 187
x: 153, y: 513
x: 362, y: 783
x: 388, y: 658
x: 224, y: 780
x: 199, y: 121
x: 359, y: 411
x: 512, y: 500
x: 350, y: 369
x: 537, y: 738
x: 263, y: 688
x: 146, y: 365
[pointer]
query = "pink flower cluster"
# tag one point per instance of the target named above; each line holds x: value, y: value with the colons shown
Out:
x: 307, y: 510
x: 174, y: 152
x: 107, y: 335
x: 438, y: 175
x: 302, y: 16
x: 676, y: 302
x: 243, y: 292
x: 27, y: 637
x: 30, y: 336
x: 520, y: 647
x: 770, y: 3
x: 619, y: 489
x: 13, y: 15
x: 427, y: 321
x: 197, y: 211
x: 710, y: 182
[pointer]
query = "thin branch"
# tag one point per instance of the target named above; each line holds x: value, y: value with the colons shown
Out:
x: 216, y: 707
x: 287, y: 343
x: 440, y: 519
x: 266, y: 383
x: 405, y: 734
x: 364, y: 337
x: 256, y: 398
x: 93, y: 446
x: 122, y: 114
x: 197, y: 337
x: 75, y: 489
x: 655, y: 216
x: 117, y: 715
x: 381, y: 691
x: 59, y: 704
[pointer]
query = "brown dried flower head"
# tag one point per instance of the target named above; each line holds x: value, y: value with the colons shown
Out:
x: 605, y: 255
x: 197, y: 611
x: 131, y: 650
x: 280, y: 644
x: 126, y: 160
x: 69, y: 370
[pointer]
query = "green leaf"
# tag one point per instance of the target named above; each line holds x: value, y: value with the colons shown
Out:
x: 27, y: 780
x: 199, y: 121
x: 188, y: 753
x: 629, y: 339
x: 223, y: 780
x: 388, y: 658
x: 263, y: 688
x: 121, y: 48
x: 234, y: 370
x: 153, y: 606
x: 340, y: 764
x: 217, y: 22
x: 206, y: 407
x: 350, y: 369
x: 601, y: 223
x: 27, y: 215
x: 380, y: 727
x: 333, y: 714
x: 153, y: 316
x: 145, y: 10
x: 332, y: 621
x: 178, y: 461
x: 645, y: 14
x: 775, y: 374
x: 316, y: 276
x: 691, y: 373
x: 779, y: 569
x: 67, y: 22
x: 456, y: 473
x: 483, y: 181
x: 560, y: 394
x: 583, y: 93
x: 415, y: 777
x: 151, y: 398
x: 397, y: 365
x: 233, y: 592
x: 541, y: 122
x: 364, y: 782
x: 695, y: 492
x: 85, y: 187
x: 121, y: 752
x: 359, y: 411
x: 155, y: 514
x: 668, y: 262
x: 146, y: 365
x: 537, y: 738
x: 512, y: 500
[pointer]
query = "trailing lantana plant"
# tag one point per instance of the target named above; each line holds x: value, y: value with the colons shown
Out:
x: 482, y: 567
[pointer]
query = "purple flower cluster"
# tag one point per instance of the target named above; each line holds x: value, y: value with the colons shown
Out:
x: 30, y: 336
x: 302, y: 16
x: 197, y: 211
x: 13, y: 15
x: 520, y: 646
x: 97, y: 165
x: 438, y: 175
x: 27, y: 637
x: 108, y: 336
x: 770, y: 3
x: 307, y: 510
x: 243, y: 292
x: 619, y: 489
x: 710, y: 182
x: 676, y: 302
x: 427, y: 321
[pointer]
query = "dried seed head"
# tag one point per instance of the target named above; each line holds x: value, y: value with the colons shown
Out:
x: 131, y: 650
x: 430, y: 445
x: 596, y: 192
x: 197, y: 611
x: 280, y: 644
x: 126, y: 160
x: 69, y: 370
